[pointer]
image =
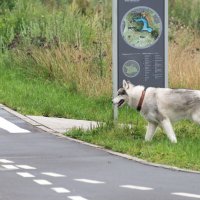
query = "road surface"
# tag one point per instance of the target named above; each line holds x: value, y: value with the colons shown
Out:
x: 35, y: 165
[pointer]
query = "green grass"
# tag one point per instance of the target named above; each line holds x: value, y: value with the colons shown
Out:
x: 186, y: 12
x: 184, y: 154
x: 24, y: 91
x: 74, y: 47
x: 42, y: 97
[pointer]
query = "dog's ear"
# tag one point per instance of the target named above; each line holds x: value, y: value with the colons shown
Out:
x: 125, y: 84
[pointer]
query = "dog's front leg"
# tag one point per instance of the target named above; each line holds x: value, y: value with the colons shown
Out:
x: 151, y: 129
x: 167, y: 126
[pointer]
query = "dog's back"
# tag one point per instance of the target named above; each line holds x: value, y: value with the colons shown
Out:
x: 175, y: 103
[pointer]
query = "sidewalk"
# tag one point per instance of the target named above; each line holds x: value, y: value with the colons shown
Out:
x: 62, y: 125
x: 52, y: 124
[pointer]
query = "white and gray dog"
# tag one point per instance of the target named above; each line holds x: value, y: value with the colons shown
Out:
x: 160, y: 106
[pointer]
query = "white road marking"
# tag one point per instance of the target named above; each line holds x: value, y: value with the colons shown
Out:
x: 187, y: 195
x: 53, y: 174
x: 60, y: 190
x: 136, y: 187
x: 76, y: 198
x: 25, y: 174
x: 25, y: 167
x: 10, y: 127
x: 42, y: 182
x: 11, y: 167
x: 6, y: 161
x: 89, y: 181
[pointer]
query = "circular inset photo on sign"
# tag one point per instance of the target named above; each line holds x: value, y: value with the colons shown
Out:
x: 131, y: 68
x: 141, y: 27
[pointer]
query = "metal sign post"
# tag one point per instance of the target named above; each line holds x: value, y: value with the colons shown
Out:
x: 140, y: 43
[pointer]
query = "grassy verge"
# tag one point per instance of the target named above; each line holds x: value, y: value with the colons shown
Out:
x: 185, y: 154
x: 39, y: 96
x: 27, y: 93
x: 42, y: 97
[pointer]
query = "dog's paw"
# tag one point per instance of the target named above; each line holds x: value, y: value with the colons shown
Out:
x: 173, y: 140
x: 147, y: 139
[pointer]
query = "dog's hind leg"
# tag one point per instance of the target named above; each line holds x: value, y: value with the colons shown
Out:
x: 151, y: 129
x: 167, y: 126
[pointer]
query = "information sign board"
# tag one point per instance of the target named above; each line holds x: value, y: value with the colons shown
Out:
x: 140, y: 42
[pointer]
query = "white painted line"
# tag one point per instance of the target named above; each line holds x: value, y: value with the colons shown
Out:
x: 25, y: 167
x: 10, y: 127
x: 60, y: 190
x: 42, y: 182
x: 136, y: 187
x: 25, y: 174
x: 187, y: 195
x: 76, y: 198
x: 6, y: 161
x: 11, y: 167
x: 53, y: 174
x: 89, y: 181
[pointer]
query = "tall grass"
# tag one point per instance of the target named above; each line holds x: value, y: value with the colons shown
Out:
x: 32, y: 19
x: 77, y: 68
x: 184, y: 60
x: 188, y: 12
x: 70, y: 46
x: 65, y: 41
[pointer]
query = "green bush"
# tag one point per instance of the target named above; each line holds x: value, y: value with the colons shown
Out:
x: 29, y: 20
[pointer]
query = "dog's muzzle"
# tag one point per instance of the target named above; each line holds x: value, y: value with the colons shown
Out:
x: 120, y: 103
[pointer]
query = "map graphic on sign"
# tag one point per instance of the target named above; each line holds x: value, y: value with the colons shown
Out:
x: 141, y: 27
x: 131, y: 68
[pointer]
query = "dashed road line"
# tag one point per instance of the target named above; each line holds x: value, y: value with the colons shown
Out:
x: 6, y: 161
x: 25, y: 174
x: 136, y: 187
x: 187, y: 195
x: 53, y: 174
x: 42, y: 182
x: 76, y: 198
x: 25, y: 167
x: 89, y: 181
x: 10, y: 167
x: 60, y: 190
x: 10, y: 127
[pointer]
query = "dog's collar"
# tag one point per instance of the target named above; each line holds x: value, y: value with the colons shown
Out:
x: 139, y: 107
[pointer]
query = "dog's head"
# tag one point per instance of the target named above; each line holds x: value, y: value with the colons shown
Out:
x: 122, y: 94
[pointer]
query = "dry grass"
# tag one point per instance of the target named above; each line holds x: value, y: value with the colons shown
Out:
x: 89, y: 71
x: 85, y: 71
x: 184, y: 60
x: 76, y: 68
x: 80, y: 69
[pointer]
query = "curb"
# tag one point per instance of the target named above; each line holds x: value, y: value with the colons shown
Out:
x: 125, y: 156
x: 27, y: 119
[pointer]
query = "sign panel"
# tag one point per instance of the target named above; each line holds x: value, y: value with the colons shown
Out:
x: 140, y: 38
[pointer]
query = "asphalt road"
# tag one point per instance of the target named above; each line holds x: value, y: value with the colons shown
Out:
x: 35, y: 165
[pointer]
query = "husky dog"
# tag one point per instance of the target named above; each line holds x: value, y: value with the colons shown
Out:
x: 160, y: 106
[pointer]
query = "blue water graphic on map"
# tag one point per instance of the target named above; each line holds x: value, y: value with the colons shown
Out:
x: 145, y: 24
